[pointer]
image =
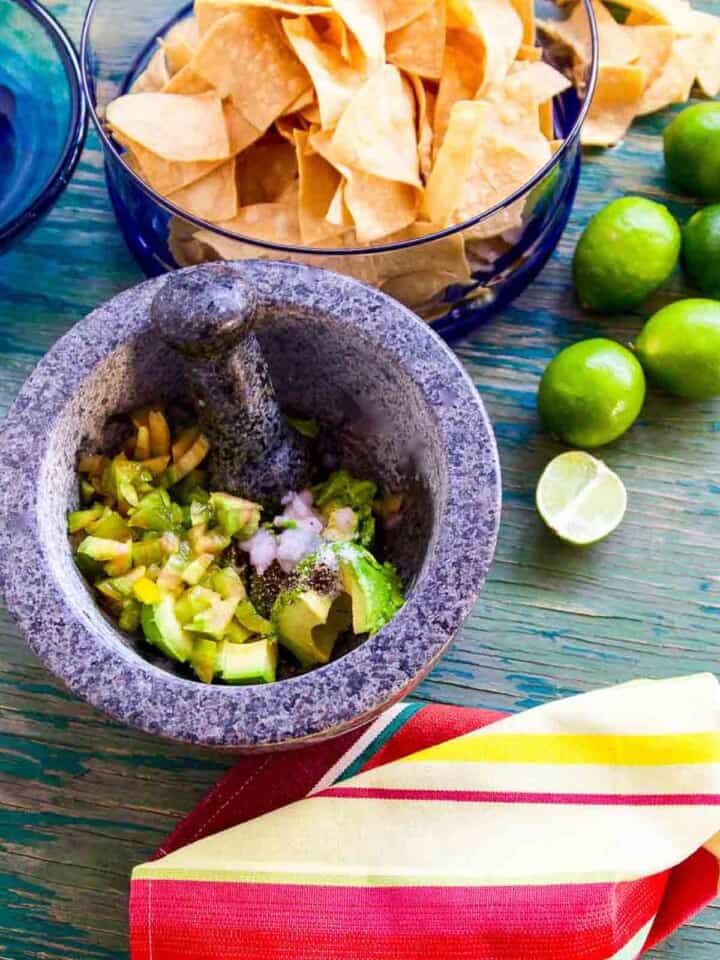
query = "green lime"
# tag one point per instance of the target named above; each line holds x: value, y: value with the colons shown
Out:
x: 701, y: 250
x: 580, y: 498
x: 692, y: 150
x: 679, y: 347
x: 591, y: 392
x: 628, y: 249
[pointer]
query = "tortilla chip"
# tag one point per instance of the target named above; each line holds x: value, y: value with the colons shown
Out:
x: 187, y: 81
x: 321, y: 142
x: 486, y: 155
x: 177, y: 55
x: 365, y: 20
x: 654, y: 45
x: 415, y: 275
x: 154, y: 76
x: 525, y: 9
x: 185, y: 30
x: 707, y: 28
x: 338, y: 212
x: 311, y: 114
x: 287, y: 125
x: 213, y: 197
x: 241, y: 133
x: 378, y: 206
x: 185, y: 248
x: 529, y: 53
x: 245, y: 57
x: 264, y: 171
x: 462, y: 75
x: 192, y: 128
x: 419, y: 46
x: 500, y: 28
x: 424, y: 109
x: 376, y: 133
x: 335, y: 81
x: 616, y: 102
x: 319, y: 182
x: 538, y: 81
x: 675, y: 81
x: 616, y: 41
x: 671, y: 12
x: 306, y: 99
x: 166, y: 176
x: 179, y: 43
x: 399, y: 13
x: 271, y: 222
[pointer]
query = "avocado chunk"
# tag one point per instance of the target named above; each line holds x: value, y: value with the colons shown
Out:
x: 163, y: 630
x: 204, y: 659
x: 254, y: 662
x: 228, y: 583
x: 154, y: 512
x: 215, y: 620
x: 374, y: 588
x: 307, y: 623
x: 248, y: 617
x: 238, y: 518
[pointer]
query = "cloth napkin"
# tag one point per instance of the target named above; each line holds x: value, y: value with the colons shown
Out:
x: 584, y: 829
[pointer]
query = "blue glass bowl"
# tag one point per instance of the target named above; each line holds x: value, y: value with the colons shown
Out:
x: 43, y: 116
x: 118, y: 39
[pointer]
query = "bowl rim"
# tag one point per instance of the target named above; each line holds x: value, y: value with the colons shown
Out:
x: 299, y: 249
x: 77, y: 128
x: 379, y: 671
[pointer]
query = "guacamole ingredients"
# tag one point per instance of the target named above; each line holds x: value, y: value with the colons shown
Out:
x: 679, y: 347
x: 187, y: 566
x: 628, y: 249
x: 580, y: 498
x: 692, y: 150
x: 591, y: 392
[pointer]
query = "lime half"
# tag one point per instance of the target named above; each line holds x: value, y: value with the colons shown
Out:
x: 579, y: 498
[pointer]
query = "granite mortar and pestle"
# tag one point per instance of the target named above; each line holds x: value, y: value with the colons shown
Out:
x: 245, y: 342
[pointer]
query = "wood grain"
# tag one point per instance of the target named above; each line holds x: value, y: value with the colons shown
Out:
x: 82, y: 799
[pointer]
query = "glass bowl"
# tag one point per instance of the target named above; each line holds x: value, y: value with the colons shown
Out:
x: 43, y: 115
x: 505, y: 246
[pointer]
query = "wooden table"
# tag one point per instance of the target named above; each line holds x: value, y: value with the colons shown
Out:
x: 83, y: 799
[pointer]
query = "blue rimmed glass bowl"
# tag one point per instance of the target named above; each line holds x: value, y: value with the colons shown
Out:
x: 118, y: 39
x: 43, y: 115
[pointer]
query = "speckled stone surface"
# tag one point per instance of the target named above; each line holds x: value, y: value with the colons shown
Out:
x: 401, y: 409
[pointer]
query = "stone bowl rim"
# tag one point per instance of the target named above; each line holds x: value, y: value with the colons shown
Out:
x: 182, y: 704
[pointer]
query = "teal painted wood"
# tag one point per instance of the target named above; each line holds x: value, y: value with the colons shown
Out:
x: 82, y: 800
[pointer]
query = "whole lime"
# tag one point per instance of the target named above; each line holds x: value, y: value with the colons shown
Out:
x: 692, y: 150
x: 679, y: 347
x: 591, y: 392
x: 628, y: 249
x: 701, y: 250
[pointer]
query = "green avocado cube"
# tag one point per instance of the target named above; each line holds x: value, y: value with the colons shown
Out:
x: 213, y: 621
x: 374, y: 588
x: 204, y: 659
x: 228, y: 583
x: 238, y: 518
x: 80, y: 519
x: 154, y: 512
x: 248, y: 617
x: 163, y: 630
x: 254, y: 662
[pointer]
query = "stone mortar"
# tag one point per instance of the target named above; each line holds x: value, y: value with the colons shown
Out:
x: 402, y: 411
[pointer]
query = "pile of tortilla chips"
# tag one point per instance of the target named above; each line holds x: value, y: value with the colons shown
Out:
x: 342, y: 124
x: 650, y: 60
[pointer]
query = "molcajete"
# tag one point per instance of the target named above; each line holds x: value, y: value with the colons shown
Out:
x: 400, y: 410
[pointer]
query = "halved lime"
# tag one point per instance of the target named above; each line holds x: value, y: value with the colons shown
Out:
x: 580, y: 498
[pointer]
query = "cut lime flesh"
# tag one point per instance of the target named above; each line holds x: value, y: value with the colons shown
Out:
x: 580, y: 498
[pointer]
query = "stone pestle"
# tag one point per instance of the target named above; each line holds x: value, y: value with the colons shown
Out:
x: 207, y: 316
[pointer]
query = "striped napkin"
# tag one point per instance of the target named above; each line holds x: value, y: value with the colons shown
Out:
x: 585, y: 829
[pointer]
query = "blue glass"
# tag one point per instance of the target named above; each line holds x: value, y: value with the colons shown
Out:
x: 118, y: 39
x: 43, y: 116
